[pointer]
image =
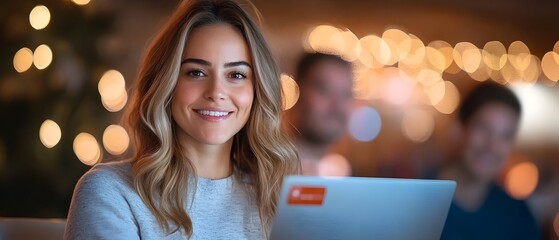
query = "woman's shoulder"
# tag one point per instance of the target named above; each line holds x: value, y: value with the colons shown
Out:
x: 108, y: 176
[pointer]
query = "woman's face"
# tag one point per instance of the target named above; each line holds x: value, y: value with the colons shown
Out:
x: 214, y: 92
x: 488, y: 139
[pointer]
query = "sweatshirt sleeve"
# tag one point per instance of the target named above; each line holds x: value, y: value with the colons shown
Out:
x: 99, y: 209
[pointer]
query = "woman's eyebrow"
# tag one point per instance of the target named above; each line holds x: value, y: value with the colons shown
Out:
x: 207, y: 63
x: 239, y: 63
x: 197, y: 61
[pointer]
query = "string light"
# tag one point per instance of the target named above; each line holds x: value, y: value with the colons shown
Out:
x: 425, y: 65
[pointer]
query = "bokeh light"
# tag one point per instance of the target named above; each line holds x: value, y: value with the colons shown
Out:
x: 445, y: 49
x: 418, y: 125
x: 115, y: 105
x: 334, y: 165
x: 556, y: 50
x: 39, y: 17
x: 401, y: 39
x: 364, y: 124
x: 436, y: 59
x: 112, y: 90
x: 519, y: 55
x: 115, y: 139
x: 471, y: 59
x: 81, y: 2
x: 42, y: 57
x: 326, y: 39
x: 352, y: 46
x: 290, y: 91
x: 23, y: 59
x: 521, y: 180
x: 481, y: 73
x: 377, y: 48
x: 399, y: 86
x: 450, y: 100
x: 111, y: 84
x: 494, y: 55
x: 466, y: 56
x: 367, y: 58
x: 416, y: 53
x: 428, y: 77
x: 87, y: 149
x: 550, y: 66
x: 532, y: 73
x: 436, y: 92
x: 50, y: 133
x: 511, y: 74
x: 367, y: 84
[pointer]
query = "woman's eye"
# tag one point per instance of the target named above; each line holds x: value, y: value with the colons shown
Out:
x: 196, y: 73
x: 238, y: 75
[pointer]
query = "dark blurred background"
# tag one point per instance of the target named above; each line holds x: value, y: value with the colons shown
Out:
x: 65, y: 67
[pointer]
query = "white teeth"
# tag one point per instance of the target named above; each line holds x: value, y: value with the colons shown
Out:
x: 212, y: 113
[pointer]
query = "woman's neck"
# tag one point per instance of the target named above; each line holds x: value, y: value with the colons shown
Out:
x: 210, y: 161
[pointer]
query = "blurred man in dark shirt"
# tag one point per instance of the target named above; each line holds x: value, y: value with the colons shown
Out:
x: 481, y: 209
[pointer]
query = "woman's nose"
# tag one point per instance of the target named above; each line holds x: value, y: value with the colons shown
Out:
x: 215, y: 90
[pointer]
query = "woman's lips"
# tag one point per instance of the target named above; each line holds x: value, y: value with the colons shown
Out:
x: 213, y: 115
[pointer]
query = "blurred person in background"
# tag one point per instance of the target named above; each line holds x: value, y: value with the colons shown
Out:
x: 210, y: 150
x: 320, y: 116
x: 489, y: 120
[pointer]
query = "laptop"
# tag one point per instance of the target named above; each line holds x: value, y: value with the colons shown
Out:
x: 350, y: 208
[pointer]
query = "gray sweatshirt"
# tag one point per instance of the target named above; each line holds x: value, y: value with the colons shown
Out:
x: 105, y: 205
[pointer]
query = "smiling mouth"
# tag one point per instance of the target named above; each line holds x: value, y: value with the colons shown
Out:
x: 213, y: 116
x: 213, y: 113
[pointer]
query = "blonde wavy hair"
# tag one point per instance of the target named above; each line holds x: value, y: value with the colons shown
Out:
x: 261, y: 149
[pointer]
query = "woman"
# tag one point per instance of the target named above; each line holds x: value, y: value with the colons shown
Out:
x: 210, y: 153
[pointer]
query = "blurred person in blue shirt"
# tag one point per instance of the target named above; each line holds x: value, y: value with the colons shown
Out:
x: 481, y: 209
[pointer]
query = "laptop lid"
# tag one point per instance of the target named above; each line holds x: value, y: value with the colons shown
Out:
x: 361, y: 208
